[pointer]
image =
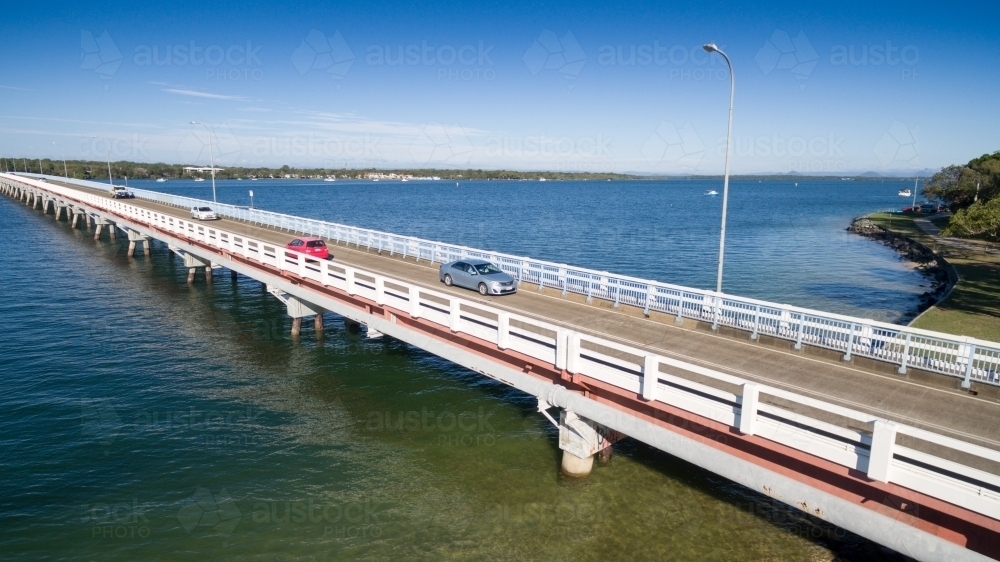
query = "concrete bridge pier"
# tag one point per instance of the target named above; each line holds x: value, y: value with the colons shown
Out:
x: 580, y: 440
x: 299, y: 309
x: 134, y: 238
x: 99, y: 224
x: 62, y: 209
x: 77, y: 213
x: 193, y: 262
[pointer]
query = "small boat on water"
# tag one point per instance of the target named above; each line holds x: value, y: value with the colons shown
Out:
x: 329, y: 179
x: 711, y: 192
x: 905, y: 193
x: 161, y: 180
x: 199, y: 179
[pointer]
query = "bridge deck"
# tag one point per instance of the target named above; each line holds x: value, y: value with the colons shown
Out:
x: 941, y: 410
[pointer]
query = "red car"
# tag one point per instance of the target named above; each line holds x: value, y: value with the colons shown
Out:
x: 311, y: 246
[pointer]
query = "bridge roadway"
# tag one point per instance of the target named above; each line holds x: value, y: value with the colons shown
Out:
x: 926, y: 404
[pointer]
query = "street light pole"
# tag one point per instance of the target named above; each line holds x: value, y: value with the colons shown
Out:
x: 211, y: 156
x: 40, y: 172
x: 711, y: 47
x: 107, y: 154
x: 61, y: 151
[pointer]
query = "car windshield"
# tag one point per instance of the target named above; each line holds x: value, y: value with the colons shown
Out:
x: 205, y: 209
x: 315, y: 244
x: 487, y: 268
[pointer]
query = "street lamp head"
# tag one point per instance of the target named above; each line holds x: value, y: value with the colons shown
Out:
x: 193, y: 122
x: 710, y: 47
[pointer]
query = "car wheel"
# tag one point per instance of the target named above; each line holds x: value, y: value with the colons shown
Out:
x: 447, y: 280
x: 483, y: 290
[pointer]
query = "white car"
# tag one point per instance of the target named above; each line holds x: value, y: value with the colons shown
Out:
x: 203, y: 214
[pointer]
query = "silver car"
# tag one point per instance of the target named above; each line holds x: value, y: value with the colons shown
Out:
x: 479, y: 275
x: 203, y: 213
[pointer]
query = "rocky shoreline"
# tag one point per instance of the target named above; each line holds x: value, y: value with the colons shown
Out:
x: 931, y: 265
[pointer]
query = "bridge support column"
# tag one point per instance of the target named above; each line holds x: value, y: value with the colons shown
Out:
x: 193, y: 262
x: 299, y: 309
x: 580, y: 439
x: 99, y: 224
x: 137, y: 238
x: 62, y: 209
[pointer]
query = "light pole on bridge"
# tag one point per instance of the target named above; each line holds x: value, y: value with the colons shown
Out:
x: 211, y: 155
x: 61, y: 151
x: 712, y: 48
x: 40, y: 172
x: 107, y: 154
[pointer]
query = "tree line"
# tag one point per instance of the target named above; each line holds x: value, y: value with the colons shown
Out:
x: 97, y: 169
x: 972, y: 192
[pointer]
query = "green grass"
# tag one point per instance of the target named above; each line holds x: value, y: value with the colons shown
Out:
x: 973, y: 308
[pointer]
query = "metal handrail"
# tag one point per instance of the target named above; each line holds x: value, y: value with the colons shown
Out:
x: 963, y: 357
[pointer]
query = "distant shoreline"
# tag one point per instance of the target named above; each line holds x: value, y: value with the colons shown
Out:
x: 97, y: 170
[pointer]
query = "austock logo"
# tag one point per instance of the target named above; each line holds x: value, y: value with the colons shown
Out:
x: 100, y: 55
x: 550, y: 52
x: 441, y: 144
x: 319, y: 52
x: 670, y: 145
x: 204, y: 509
x: 100, y: 421
x: 782, y: 52
x: 898, y: 147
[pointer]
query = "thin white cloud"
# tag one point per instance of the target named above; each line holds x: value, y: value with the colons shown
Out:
x: 16, y: 88
x: 197, y: 94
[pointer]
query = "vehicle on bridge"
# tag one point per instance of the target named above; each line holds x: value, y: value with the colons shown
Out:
x: 311, y: 246
x: 479, y: 275
x: 121, y: 192
x: 203, y: 214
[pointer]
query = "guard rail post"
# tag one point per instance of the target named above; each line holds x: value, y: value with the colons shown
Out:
x: 414, y: 301
x: 650, y: 377
x: 503, y: 330
x: 850, y: 344
x: 748, y: 407
x: 967, y: 383
x: 906, y: 355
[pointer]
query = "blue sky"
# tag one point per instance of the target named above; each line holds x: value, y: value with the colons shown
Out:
x: 838, y: 87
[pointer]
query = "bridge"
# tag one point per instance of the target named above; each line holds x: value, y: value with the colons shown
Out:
x: 887, y: 431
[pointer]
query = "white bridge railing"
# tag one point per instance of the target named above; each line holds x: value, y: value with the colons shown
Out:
x: 970, y: 482
x: 963, y: 357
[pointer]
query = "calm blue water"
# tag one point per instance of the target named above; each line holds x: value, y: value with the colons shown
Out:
x: 785, y: 242
x: 143, y: 418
